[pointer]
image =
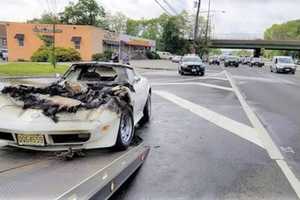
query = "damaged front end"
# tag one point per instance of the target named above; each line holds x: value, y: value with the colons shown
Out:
x: 63, y: 115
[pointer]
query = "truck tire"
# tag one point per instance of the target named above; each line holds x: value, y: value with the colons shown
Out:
x: 147, y: 111
x: 126, y: 130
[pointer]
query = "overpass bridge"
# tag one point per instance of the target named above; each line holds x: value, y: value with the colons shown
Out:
x: 257, y: 44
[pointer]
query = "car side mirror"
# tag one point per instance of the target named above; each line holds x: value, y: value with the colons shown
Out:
x: 137, y: 79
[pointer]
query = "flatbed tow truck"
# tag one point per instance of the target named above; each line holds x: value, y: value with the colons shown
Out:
x: 42, y: 175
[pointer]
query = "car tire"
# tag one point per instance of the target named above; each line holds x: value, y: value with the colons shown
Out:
x: 126, y: 130
x: 147, y: 111
x: 293, y: 72
x: 201, y: 73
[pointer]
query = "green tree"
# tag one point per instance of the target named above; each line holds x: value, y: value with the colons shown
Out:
x: 243, y: 52
x: 215, y: 52
x: 285, y: 31
x: 46, y: 18
x: 84, y: 12
x: 117, y: 22
x: 132, y: 27
x: 172, y: 39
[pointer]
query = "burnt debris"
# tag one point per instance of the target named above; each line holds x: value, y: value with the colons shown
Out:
x: 67, y: 97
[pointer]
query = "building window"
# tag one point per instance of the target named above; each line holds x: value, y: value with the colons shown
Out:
x: 3, y: 42
x: 76, y: 41
x: 20, y: 39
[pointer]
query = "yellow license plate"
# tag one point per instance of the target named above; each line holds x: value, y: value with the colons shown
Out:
x: 31, y: 139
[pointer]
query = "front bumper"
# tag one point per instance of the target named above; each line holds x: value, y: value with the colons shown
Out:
x: 286, y: 70
x: 231, y: 63
x: 193, y: 69
x: 258, y: 64
x: 63, y: 135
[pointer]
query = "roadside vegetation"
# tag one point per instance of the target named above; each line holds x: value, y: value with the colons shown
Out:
x: 30, y: 69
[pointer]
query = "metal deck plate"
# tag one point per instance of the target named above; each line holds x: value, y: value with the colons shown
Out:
x: 38, y: 175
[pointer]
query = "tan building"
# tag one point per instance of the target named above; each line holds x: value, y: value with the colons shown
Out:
x: 22, y: 39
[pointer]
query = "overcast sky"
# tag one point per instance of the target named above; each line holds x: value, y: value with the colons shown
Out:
x: 242, y: 18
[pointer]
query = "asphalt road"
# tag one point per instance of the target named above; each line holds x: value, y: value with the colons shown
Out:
x: 207, y: 145
x: 233, y: 134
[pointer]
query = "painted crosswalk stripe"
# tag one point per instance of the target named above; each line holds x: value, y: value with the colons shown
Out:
x: 237, y: 128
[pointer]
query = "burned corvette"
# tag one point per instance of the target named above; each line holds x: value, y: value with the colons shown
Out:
x: 94, y: 105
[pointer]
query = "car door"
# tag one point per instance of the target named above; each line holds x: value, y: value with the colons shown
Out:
x: 139, y: 95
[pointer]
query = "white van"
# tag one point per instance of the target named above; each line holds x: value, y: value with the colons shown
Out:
x: 165, y: 55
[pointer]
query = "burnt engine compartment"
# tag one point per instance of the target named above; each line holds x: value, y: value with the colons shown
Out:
x: 71, y: 97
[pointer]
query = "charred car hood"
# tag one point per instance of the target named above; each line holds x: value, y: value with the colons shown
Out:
x: 14, y: 118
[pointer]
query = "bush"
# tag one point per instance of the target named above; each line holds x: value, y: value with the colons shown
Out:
x: 41, y: 55
x: 44, y: 54
x: 66, y: 55
x: 152, y: 55
x: 106, y: 56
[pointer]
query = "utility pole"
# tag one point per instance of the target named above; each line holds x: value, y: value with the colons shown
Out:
x: 53, y: 60
x: 207, y: 24
x: 197, y: 21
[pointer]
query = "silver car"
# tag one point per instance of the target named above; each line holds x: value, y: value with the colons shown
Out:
x: 283, y: 64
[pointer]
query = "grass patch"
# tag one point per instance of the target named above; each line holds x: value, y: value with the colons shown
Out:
x: 30, y: 69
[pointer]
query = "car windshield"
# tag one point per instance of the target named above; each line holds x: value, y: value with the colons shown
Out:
x: 285, y: 60
x: 191, y: 59
x: 98, y: 73
x: 232, y: 58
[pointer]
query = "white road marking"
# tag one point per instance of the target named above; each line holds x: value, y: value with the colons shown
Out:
x: 237, y: 128
x: 262, y: 132
x: 195, y: 83
x: 290, y: 176
x: 266, y: 139
x: 268, y: 80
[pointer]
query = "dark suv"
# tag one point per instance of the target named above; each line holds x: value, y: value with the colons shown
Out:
x: 231, y: 61
x: 191, y: 64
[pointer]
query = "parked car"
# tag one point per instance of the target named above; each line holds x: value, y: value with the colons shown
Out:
x: 3, y: 54
x: 176, y: 59
x: 231, y: 61
x: 214, y: 60
x: 94, y: 105
x: 191, y: 64
x: 246, y: 60
x: 256, y: 62
x: 165, y: 55
x: 283, y: 64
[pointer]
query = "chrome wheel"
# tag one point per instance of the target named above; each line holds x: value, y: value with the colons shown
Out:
x: 126, y: 128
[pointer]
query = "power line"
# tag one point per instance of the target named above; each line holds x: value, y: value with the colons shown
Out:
x: 171, y: 7
x: 162, y: 7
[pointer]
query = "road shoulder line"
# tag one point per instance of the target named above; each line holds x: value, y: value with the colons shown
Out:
x: 266, y: 139
x: 195, y: 83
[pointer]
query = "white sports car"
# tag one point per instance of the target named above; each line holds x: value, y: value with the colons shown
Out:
x: 94, y: 105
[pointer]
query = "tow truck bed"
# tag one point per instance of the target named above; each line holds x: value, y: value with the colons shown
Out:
x: 38, y: 175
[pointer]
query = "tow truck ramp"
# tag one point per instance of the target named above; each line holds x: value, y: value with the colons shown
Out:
x: 32, y: 175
